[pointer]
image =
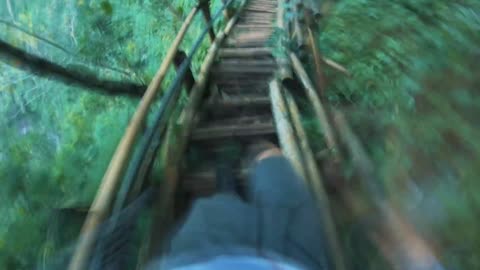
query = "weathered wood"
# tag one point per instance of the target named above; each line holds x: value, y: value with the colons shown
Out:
x: 319, y: 109
x: 189, y: 80
x: 259, y: 10
x: 298, y: 30
x: 245, y: 70
x: 254, y: 35
x: 225, y: 131
x: 267, y: 62
x: 316, y: 184
x: 284, y: 128
x: 253, y: 101
x: 360, y: 159
x: 336, y: 66
x: 284, y: 69
x: 103, y: 200
x: 20, y: 59
x: 245, y: 44
x: 320, y: 78
x: 245, y: 52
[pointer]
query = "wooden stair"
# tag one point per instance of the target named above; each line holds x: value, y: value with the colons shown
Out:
x: 238, y: 111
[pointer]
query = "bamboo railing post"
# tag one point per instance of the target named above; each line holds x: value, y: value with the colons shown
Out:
x: 319, y: 109
x: 189, y: 80
x: 285, y: 131
x: 316, y: 183
x: 320, y: 78
x: 205, y: 7
x: 102, y: 204
x: 298, y: 29
x: 284, y: 69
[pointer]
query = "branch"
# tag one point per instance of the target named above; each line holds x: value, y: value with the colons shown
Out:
x: 20, y: 59
x: 10, y: 10
x: 337, y: 66
x: 13, y: 25
x: 51, y: 43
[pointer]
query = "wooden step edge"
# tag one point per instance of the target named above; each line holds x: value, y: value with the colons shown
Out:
x: 254, y: 101
x: 245, y: 52
x: 232, y: 131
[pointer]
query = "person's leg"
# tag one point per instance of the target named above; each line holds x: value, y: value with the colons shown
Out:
x: 274, y: 182
x: 215, y: 225
x: 288, y: 219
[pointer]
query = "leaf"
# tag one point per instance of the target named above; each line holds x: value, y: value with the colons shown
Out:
x: 107, y: 7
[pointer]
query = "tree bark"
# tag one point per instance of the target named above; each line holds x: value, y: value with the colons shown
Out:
x: 23, y: 60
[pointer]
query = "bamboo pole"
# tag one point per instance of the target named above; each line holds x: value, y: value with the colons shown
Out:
x: 298, y: 32
x: 111, y: 180
x: 316, y: 102
x: 284, y: 69
x: 336, y: 66
x: 285, y: 130
x: 316, y: 183
x: 362, y: 163
x: 310, y: 164
x: 314, y: 49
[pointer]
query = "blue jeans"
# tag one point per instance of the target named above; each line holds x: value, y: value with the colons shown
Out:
x: 279, y: 220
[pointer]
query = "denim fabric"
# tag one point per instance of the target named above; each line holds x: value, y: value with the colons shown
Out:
x: 279, y: 221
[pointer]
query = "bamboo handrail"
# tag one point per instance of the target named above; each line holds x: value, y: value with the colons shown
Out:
x: 285, y: 131
x: 110, y: 182
x: 320, y: 110
x: 284, y: 70
x: 316, y: 183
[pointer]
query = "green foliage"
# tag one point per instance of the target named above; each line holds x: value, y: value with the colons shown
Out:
x: 56, y: 140
x: 415, y: 76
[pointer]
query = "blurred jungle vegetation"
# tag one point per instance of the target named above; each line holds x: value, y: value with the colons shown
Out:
x: 413, y: 97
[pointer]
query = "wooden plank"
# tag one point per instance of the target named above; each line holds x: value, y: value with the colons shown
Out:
x: 245, y: 52
x: 284, y: 69
x: 232, y: 131
x: 253, y: 101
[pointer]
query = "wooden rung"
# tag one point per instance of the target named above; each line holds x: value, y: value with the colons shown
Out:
x: 253, y: 101
x: 222, y: 70
x: 231, y: 131
x: 246, y: 52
